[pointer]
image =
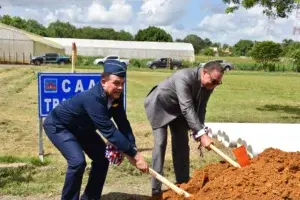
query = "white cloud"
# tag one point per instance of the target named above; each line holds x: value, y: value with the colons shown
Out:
x: 245, y: 24
x: 162, y: 12
x: 118, y: 12
x: 95, y: 13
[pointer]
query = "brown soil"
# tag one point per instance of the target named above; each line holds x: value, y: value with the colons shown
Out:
x: 272, y: 175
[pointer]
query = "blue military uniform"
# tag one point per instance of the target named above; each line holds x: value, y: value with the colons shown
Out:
x: 72, y: 125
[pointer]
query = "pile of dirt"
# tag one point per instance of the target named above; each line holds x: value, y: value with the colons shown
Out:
x: 272, y: 175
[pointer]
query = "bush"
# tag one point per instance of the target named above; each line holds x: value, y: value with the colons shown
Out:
x: 135, y: 62
x: 247, y: 66
x: 86, y: 60
x: 271, y: 67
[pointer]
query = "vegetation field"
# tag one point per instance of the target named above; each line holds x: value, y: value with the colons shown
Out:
x: 243, y: 97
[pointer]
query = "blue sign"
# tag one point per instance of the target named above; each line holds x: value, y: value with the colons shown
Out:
x: 54, y: 88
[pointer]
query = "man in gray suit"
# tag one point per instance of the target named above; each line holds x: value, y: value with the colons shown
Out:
x: 180, y: 103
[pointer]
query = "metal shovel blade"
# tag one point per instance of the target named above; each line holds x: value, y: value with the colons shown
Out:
x: 241, y: 156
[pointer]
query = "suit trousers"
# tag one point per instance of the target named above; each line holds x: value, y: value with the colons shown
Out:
x: 180, y: 151
x: 72, y: 146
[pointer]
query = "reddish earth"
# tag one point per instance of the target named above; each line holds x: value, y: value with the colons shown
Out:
x: 272, y: 175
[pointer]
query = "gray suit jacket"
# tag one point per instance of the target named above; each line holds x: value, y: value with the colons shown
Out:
x: 179, y: 94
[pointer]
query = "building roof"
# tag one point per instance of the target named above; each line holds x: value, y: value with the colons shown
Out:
x: 33, y: 37
x: 123, y: 44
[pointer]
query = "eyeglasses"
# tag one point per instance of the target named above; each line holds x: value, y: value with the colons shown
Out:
x: 214, y: 81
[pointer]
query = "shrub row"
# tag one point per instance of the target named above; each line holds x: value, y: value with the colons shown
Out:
x: 251, y: 66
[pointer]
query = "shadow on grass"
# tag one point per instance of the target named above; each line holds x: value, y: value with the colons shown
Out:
x: 295, y: 110
x: 124, y: 196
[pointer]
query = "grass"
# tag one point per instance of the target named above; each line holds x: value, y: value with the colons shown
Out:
x: 235, y: 59
x: 243, y: 97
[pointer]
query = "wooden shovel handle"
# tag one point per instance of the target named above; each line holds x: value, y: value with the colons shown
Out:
x: 225, y: 157
x: 178, y: 190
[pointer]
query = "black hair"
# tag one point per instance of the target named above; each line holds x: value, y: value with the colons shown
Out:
x: 213, y: 65
x: 106, y: 74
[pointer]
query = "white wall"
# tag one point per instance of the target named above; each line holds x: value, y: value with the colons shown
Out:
x: 258, y: 136
x: 14, y: 46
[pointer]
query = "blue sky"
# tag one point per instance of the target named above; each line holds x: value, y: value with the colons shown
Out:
x: 207, y: 19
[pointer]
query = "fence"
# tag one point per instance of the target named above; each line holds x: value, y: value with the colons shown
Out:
x: 15, y: 57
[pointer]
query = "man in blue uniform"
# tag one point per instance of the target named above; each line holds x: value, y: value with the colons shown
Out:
x: 72, y: 125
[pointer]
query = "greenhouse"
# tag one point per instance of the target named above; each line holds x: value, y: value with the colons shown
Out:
x: 18, y: 46
x: 128, y: 49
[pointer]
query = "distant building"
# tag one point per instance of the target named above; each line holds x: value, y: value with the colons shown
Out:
x: 128, y: 49
x: 17, y: 46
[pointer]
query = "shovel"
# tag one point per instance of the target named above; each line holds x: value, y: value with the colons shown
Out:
x: 165, y: 181
x: 240, y: 153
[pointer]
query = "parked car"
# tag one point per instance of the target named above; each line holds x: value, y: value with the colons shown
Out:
x: 227, y: 65
x: 100, y: 61
x: 163, y: 63
x: 53, y: 58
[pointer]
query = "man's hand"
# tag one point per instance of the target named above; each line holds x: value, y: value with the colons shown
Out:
x: 139, y: 162
x: 205, y: 141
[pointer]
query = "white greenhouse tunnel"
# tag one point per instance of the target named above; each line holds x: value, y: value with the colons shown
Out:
x: 257, y: 136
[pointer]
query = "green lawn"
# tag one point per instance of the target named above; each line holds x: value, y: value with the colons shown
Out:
x: 243, y: 97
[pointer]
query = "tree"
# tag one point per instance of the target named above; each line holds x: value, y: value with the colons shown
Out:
x: 6, y: 19
x: 225, y: 46
x: 296, y: 59
x: 125, y: 36
x: 153, y: 34
x: 208, y: 52
x: 35, y: 27
x: 196, y: 41
x: 207, y: 42
x: 178, y: 40
x: 289, y: 50
x: 273, y: 8
x: 287, y: 42
x: 242, y: 47
x: 216, y: 44
x: 266, y: 52
x: 60, y: 29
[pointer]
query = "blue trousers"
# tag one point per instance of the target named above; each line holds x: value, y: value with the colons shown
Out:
x: 72, y: 146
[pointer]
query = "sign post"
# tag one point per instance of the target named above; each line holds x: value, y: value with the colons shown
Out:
x: 74, y: 56
x: 54, y: 88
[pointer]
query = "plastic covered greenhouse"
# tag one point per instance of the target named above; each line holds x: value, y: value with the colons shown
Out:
x: 128, y: 49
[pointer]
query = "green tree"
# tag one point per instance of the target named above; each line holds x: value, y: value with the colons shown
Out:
x: 266, y: 52
x: 178, y: 40
x: 287, y: 42
x: 207, y: 42
x: 292, y: 48
x: 35, y: 27
x: 18, y: 22
x: 216, y: 44
x: 208, y: 52
x: 125, y: 36
x: 196, y: 41
x: 296, y: 59
x: 274, y: 8
x: 242, y: 47
x: 153, y: 34
x: 60, y: 29
x: 225, y: 46
x: 6, y: 19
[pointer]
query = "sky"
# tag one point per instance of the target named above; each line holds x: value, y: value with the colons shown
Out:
x: 205, y: 18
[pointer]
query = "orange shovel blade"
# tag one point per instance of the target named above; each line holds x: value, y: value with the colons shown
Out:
x: 241, y: 156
